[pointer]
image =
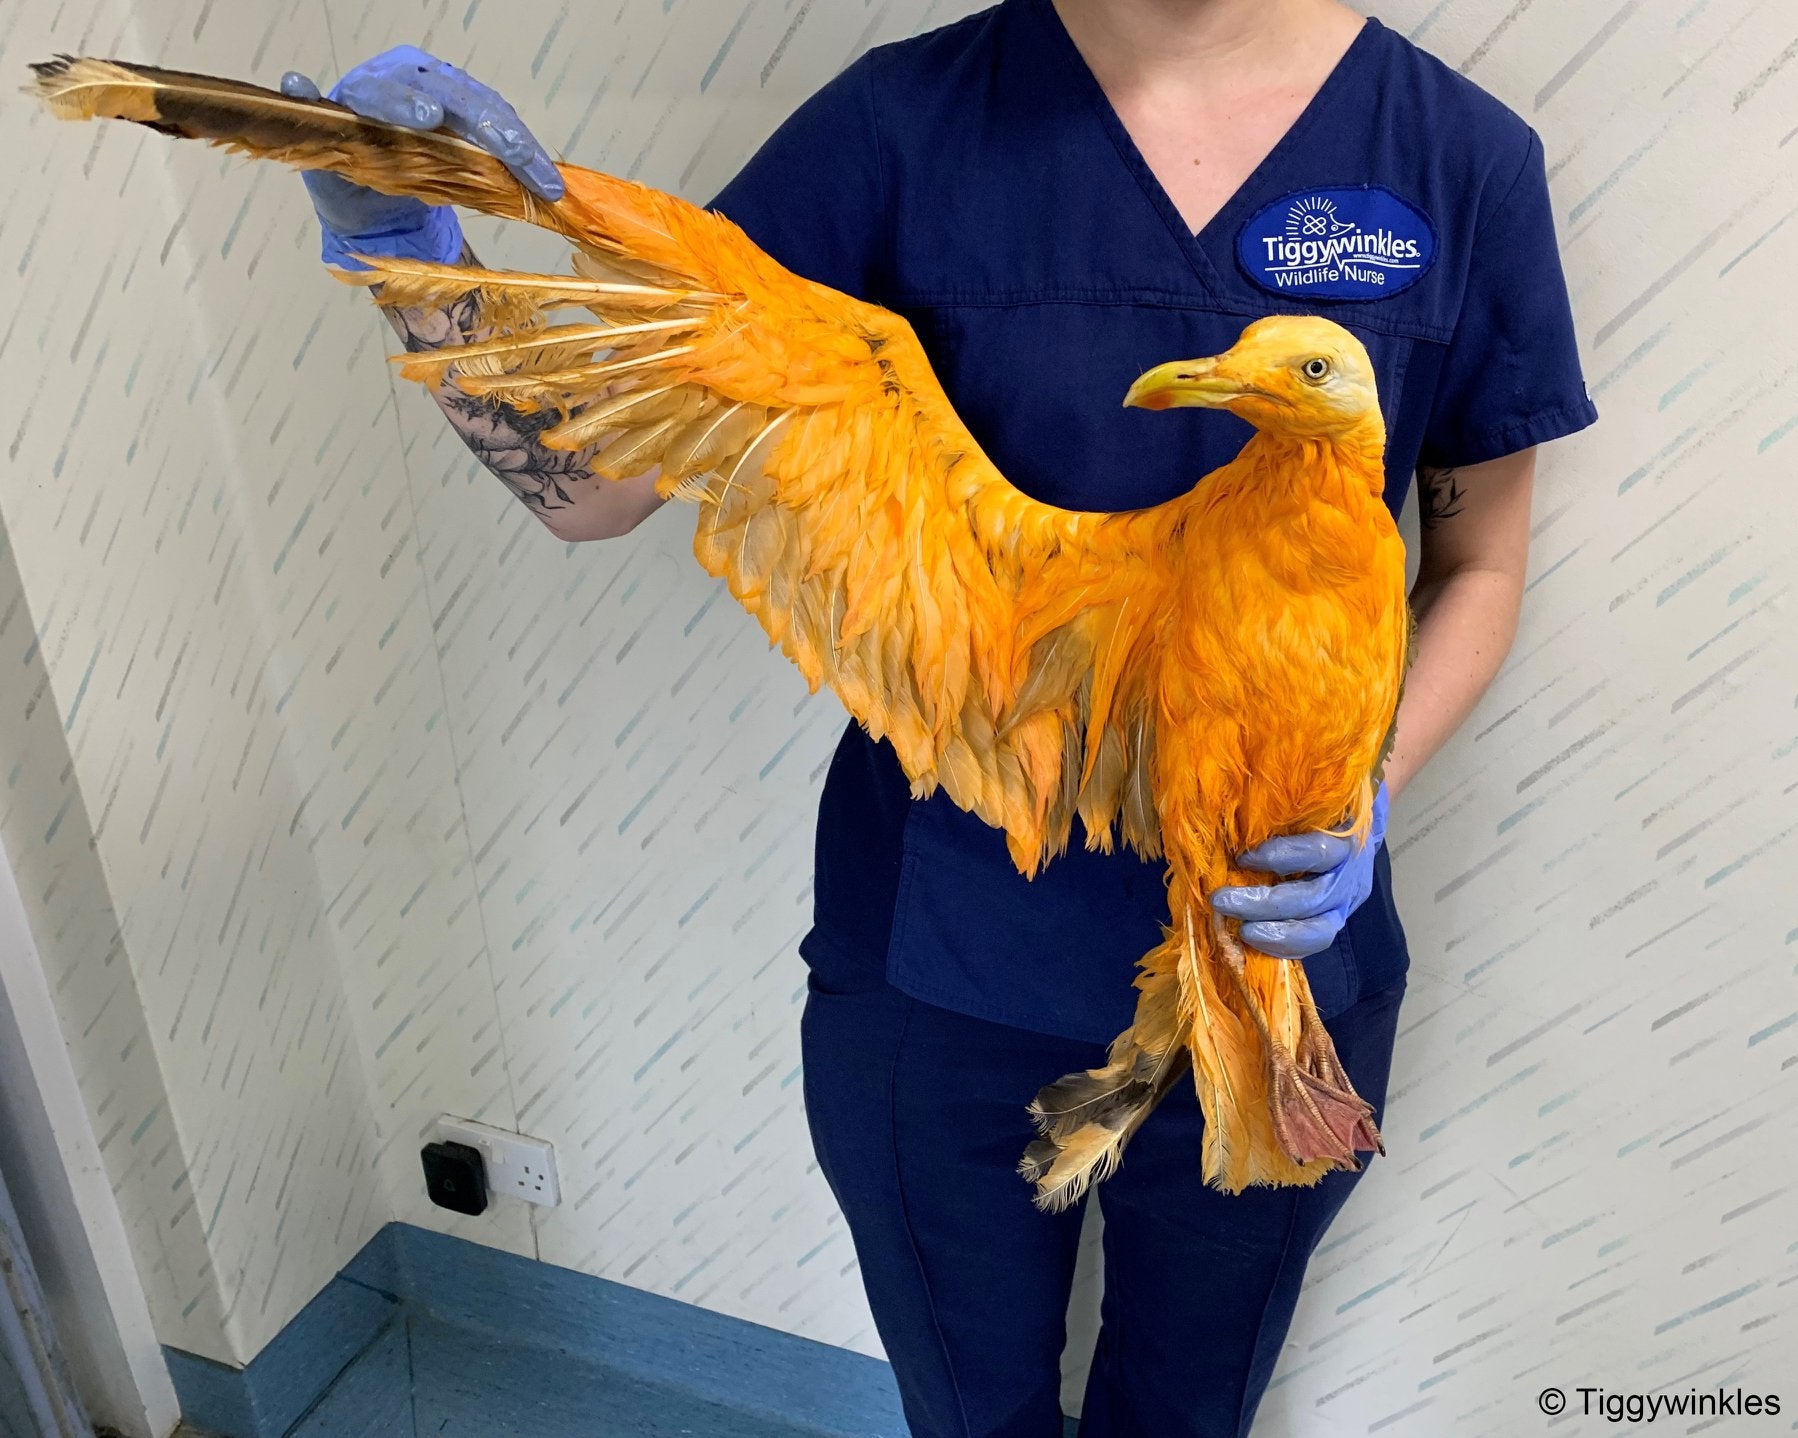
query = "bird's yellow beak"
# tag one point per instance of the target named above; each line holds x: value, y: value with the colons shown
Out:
x: 1185, y: 382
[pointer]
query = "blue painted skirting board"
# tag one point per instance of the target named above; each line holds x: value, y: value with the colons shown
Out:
x: 426, y: 1334
x: 266, y: 1399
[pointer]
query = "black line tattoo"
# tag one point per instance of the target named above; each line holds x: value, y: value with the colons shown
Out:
x: 504, y: 439
x: 1441, y: 496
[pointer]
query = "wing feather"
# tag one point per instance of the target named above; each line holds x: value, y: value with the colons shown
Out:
x: 1000, y: 644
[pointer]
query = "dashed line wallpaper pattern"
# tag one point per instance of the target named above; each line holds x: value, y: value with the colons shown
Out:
x: 344, y: 796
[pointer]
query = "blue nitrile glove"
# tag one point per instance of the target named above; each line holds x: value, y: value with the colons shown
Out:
x: 405, y: 86
x: 1300, y: 917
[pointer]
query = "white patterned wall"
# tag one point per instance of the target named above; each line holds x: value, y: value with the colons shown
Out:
x: 345, y: 795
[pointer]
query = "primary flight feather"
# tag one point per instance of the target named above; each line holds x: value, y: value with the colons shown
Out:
x: 1188, y: 679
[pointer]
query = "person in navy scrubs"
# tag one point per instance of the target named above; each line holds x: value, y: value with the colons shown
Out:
x: 1059, y: 194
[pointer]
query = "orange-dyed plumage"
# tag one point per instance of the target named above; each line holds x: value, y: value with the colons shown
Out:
x: 1189, y: 679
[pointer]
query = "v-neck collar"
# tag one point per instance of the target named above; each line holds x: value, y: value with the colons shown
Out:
x: 1195, y: 245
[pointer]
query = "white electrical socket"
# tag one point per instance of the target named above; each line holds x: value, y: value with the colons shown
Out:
x: 517, y: 1167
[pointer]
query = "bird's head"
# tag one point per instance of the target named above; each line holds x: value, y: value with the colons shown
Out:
x: 1293, y: 375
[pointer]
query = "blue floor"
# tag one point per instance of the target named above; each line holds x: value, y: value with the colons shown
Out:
x: 427, y: 1336
x: 424, y: 1378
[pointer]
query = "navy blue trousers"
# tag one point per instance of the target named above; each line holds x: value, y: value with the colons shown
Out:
x: 917, y: 1115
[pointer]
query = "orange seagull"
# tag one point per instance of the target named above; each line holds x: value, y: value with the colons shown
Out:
x: 1189, y: 679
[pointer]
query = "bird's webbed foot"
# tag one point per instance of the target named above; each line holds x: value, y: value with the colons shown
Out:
x: 1315, y: 1110
x: 1315, y: 1119
x: 1324, y: 1096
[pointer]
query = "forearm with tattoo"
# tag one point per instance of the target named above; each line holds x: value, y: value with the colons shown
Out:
x: 1440, y: 496
x: 504, y: 439
x: 1474, y: 555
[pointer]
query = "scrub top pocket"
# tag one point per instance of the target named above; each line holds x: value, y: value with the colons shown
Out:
x: 1064, y: 946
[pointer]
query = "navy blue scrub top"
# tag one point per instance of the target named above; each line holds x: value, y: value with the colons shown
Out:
x: 976, y: 180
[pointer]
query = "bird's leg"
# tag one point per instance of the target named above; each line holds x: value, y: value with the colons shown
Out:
x: 1312, y: 1118
x: 1317, y: 1058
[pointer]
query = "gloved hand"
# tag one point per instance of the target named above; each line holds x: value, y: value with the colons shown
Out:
x: 405, y: 86
x: 1299, y: 917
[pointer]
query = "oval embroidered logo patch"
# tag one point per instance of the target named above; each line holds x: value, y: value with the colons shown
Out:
x: 1357, y: 242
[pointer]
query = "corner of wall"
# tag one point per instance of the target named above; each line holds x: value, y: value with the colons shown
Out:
x: 45, y: 827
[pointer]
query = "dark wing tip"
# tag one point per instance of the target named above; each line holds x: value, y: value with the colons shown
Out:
x: 53, y: 69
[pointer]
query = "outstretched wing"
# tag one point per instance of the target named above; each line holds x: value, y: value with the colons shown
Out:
x: 1003, y: 646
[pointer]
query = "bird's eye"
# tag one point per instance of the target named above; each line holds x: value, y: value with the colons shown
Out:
x: 1316, y: 369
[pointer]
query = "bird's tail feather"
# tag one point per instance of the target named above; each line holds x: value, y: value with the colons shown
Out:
x: 433, y: 166
x: 1191, y: 1005
x: 1085, y: 1119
